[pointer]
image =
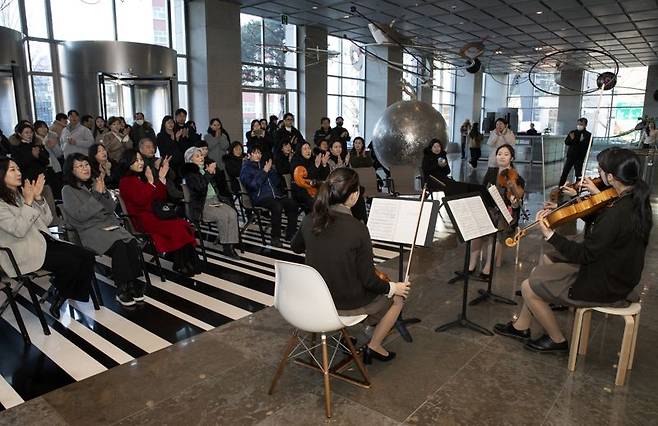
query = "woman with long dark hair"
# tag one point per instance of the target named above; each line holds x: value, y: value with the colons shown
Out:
x: 218, y: 141
x: 141, y: 192
x: 511, y: 187
x: 24, y: 219
x: 435, y: 164
x: 89, y: 208
x: 169, y: 142
x: 359, y: 157
x: 603, y: 269
x: 307, y: 171
x: 338, y: 246
x: 102, y: 166
x: 233, y: 160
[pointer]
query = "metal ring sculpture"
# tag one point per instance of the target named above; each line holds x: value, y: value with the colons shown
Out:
x: 606, y: 79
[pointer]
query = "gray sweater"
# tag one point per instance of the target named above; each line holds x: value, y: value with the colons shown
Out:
x: 217, y: 147
x: 88, y: 212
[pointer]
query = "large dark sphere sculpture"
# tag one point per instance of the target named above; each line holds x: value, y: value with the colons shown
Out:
x: 404, y: 130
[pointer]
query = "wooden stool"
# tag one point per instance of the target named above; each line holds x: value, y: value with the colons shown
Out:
x: 580, y: 336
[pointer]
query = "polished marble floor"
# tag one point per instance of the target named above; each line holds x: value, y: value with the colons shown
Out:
x: 187, y: 375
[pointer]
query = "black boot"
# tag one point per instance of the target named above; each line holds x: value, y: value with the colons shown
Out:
x: 56, y: 306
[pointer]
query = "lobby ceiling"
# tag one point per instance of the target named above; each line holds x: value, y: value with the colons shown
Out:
x: 516, y: 33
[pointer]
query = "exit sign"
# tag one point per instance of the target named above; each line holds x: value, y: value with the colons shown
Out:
x: 284, y: 19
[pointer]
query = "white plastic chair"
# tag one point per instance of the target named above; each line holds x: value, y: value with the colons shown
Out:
x: 580, y: 336
x: 303, y: 299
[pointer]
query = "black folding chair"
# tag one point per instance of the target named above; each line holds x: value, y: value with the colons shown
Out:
x: 145, y: 241
x: 245, y: 201
x: 21, y: 280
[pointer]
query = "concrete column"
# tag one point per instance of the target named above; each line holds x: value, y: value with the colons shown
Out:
x: 468, y: 100
x: 650, y: 104
x: 382, y: 84
x: 312, y: 80
x: 215, y: 63
x: 568, y: 104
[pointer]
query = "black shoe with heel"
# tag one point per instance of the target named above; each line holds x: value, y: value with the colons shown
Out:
x: 545, y: 344
x: 56, y: 306
x: 370, y: 354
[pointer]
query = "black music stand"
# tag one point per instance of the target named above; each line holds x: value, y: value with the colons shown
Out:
x: 402, y: 323
x: 471, y: 220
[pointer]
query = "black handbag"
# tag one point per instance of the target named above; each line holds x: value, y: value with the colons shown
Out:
x: 164, y: 210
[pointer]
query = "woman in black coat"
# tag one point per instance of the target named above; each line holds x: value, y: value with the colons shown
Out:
x: 435, y: 164
x: 338, y: 246
x: 233, y: 163
x: 308, y: 169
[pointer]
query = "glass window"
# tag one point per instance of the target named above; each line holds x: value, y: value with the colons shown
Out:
x: 252, y: 75
x: 182, y: 96
x: 77, y: 20
x: 277, y: 37
x: 621, y: 107
x: 251, y: 31
x: 44, y: 100
x: 534, y: 106
x: 346, y: 85
x: 10, y: 16
x: 35, y: 12
x: 182, y: 69
x: 40, y: 56
x: 276, y: 104
x: 143, y: 21
x: 443, y: 94
x: 178, y: 26
x: 252, y: 109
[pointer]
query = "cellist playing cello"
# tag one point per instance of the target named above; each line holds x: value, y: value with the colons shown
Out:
x: 602, y: 270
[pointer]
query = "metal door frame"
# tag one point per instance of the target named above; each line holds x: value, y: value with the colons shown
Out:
x: 102, y: 76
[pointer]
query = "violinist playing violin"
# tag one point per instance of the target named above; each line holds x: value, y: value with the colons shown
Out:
x: 338, y: 246
x: 511, y: 187
x: 602, y: 270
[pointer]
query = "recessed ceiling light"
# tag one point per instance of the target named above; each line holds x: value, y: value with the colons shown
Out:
x: 498, y: 52
x: 461, y: 22
x: 538, y: 48
x: 539, y: 12
x: 314, y: 8
x: 346, y: 16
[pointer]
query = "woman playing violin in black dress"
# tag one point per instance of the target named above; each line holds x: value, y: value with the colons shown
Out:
x: 601, y: 270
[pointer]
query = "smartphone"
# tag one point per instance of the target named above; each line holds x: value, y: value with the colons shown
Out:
x: 110, y: 228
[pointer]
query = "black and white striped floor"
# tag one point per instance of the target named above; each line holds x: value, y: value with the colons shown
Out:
x: 91, y: 342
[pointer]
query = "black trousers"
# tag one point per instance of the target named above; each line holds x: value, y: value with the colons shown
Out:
x: 476, y: 153
x: 125, y: 261
x: 569, y: 162
x: 276, y: 208
x: 71, y: 266
x: 304, y: 200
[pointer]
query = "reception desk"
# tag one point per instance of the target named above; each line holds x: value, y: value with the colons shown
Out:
x: 529, y: 149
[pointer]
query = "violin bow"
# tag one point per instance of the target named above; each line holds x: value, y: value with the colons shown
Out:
x: 413, y: 244
x: 591, y: 142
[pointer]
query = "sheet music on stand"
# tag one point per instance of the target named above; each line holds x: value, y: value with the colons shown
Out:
x: 470, y: 216
x: 500, y: 203
x: 394, y: 220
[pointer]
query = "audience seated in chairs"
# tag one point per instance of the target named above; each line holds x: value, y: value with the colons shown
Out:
x: 264, y: 187
x: 233, y: 160
x: 143, y: 194
x: 147, y: 150
x: 221, y: 186
x: 88, y: 208
x: 24, y: 219
x: 102, y: 166
x: 204, y: 202
x: 307, y: 172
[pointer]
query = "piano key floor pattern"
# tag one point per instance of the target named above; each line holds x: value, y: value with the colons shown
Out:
x: 85, y: 342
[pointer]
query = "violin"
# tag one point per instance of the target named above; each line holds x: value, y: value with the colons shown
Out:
x: 569, y: 211
x: 382, y: 275
x: 508, y: 179
x: 554, y: 195
x: 300, y: 175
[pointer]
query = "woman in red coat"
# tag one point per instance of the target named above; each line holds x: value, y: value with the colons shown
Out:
x: 139, y: 189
